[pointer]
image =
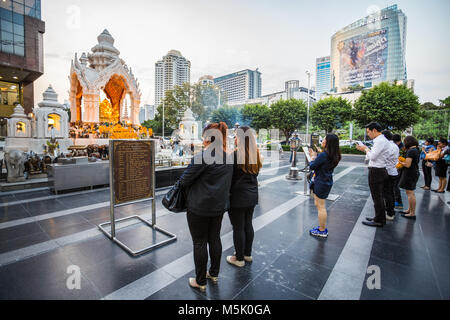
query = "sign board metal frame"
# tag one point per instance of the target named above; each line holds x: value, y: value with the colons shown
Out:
x: 113, y: 205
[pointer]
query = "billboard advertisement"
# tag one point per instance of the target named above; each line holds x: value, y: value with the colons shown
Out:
x: 363, y: 58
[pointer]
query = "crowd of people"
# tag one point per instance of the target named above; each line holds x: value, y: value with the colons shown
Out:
x: 213, y: 188
x: 394, y: 165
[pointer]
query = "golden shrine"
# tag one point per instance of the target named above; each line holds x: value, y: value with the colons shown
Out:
x: 103, y: 73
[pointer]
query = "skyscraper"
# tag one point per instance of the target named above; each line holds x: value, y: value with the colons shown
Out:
x: 370, y: 50
x: 323, y: 79
x: 172, y: 70
x: 240, y: 86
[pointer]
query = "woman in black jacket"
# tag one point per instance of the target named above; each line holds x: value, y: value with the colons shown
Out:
x: 207, y: 182
x: 244, y: 195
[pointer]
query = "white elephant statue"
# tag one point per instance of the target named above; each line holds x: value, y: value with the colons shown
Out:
x: 15, y: 164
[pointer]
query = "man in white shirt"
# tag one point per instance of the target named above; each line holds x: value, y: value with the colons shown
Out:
x: 393, y: 175
x: 378, y: 176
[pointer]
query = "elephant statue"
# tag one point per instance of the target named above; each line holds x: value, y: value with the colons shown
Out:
x: 15, y: 164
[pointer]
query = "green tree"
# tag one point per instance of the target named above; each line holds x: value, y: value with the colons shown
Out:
x: 393, y: 106
x: 229, y: 115
x: 181, y: 98
x: 288, y: 115
x: 331, y: 113
x: 429, y: 106
x: 355, y: 87
x: 256, y: 116
x: 445, y: 103
x: 435, y: 121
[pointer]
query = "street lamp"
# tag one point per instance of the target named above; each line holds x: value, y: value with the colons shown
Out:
x: 295, y: 144
x: 307, y: 116
x: 163, y: 121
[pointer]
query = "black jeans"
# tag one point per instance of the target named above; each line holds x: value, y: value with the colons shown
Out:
x: 388, y: 194
x: 243, y: 233
x: 427, y: 173
x: 378, y: 183
x: 397, y: 193
x: 205, y: 231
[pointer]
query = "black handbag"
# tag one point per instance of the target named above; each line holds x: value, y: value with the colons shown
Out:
x: 175, y: 199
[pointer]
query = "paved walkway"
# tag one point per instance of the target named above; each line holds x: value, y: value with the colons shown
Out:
x: 41, y: 235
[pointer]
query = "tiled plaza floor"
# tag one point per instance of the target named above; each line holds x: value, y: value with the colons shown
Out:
x: 41, y: 235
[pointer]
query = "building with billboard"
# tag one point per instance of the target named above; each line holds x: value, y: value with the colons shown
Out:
x: 369, y: 51
x: 240, y: 86
x: 323, y: 79
x: 21, y: 55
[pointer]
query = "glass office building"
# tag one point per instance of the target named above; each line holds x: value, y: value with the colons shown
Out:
x: 369, y: 51
x: 21, y: 55
x: 323, y: 79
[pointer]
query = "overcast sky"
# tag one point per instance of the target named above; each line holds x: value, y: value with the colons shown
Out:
x: 280, y: 37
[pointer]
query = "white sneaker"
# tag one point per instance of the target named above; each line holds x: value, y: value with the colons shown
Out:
x: 232, y: 260
x: 390, y: 218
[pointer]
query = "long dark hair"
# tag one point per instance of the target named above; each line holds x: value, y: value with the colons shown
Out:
x: 249, y: 158
x: 333, y: 150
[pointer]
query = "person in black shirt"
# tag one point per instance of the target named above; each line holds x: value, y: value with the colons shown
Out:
x: 208, y: 182
x: 244, y: 195
x: 441, y: 167
x: 410, y: 175
x: 397, y: 195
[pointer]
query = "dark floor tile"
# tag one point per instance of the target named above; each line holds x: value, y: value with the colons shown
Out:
x: 404, y: 234
x: 22, y: 242
x: 140, y: 236
x: 32, y: 194
x: 406, y: 279
x: 47, y: 266
x: 7, y: 199
x: 443, y: 281
x: 9, y: 288
x: 70, y: 230
x: 43, y: 207
x: 413, y: 257
x: 19, y: 231
x: 117, y: 272
x: 264, y: 288
x: 58, y: 290
x: 93, y: 251
x: 438, y: 247
x: 54, y: 224
x: 179, y: 290
x: 10, y: 213
x: 299, y: 275
x: 77, y: 201
x: 386, y: 294
x: 315, y: 250
x: 440, y: 263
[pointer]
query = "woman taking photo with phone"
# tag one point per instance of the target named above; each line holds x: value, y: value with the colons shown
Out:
x: 323, y: 165
x: 244, y: 195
